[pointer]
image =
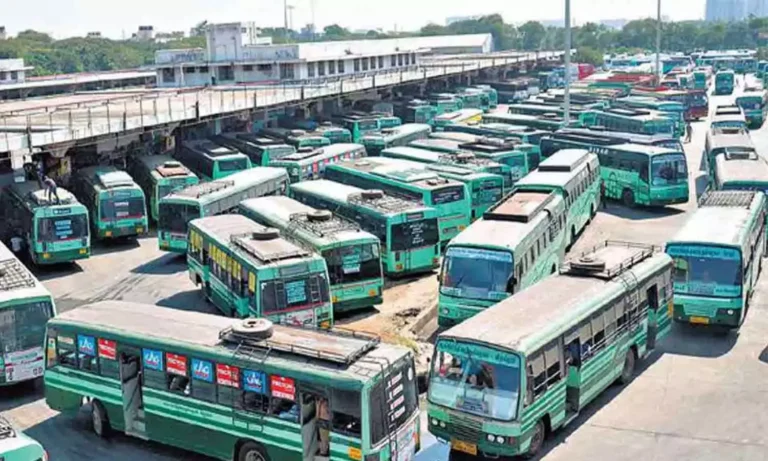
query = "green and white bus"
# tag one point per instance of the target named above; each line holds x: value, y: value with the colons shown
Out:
x: 393, y: 137
x: 211, y: 161
x: 261, y: 150
x: 755, y: 107
x: 459, y: 116
x: 17, y: 446
x: 718, y: 257
x: 410, y: 181
x: 408, y: 231
x: 116, y: 204
x: 310, y: 163
x: 720, y: 142
x: 158, y: 176
x: 724, y: 82
x: 673, y: 109
x: 525, y: 134
x: 248, y: 270
x: 300, y: 139
x: 211, y: 199
x: 357, y: 124
x: 729, y: 117
x: 740, y: 170
x: 334, y: 133
x: 415, y: 111
x: 474, y: 98
x: 504, y: 380
x: 52, y: 232
x: 231, y: 390
x: 352, y: 255
x: 630, y: 121
x: 511, y: 153
x: 25, y: 307
x: 530, y: 121
x: 493, y: 95
x: 520, y: 240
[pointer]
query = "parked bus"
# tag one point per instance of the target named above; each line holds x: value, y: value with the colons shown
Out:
x: 722, y: 142
x: 299, y: 139
x: 674, y: 110
x: 233, y: 390
x: 526, y: 135
x: 261, y: 150
x: 449, y: 198
x: 415, y: 111
x: 630, y: 121
x: 506, y: 152
x: 17, y: 446
x: 211, y: 161
x: 310, y: 164
x: 211, y: 199
x: 728, y: 118
x: 335, y: 134
x: 392, y: 137
x: 718, y: 257
x: 248, y: 270
x: 445, y: 102
x: 700, y: 80
x: 740, y: 170
x: 408, y: 231
x: 530, y: 121
x: 474, y: 98
x: 724, y: 82
x: 493, y: 95
x: 459, y: 116
x: 755, y: 106
x: 504, y: 380
x: 516, y: 90
x: 521, y: 239
x: 352, y: 255
x: 618, y: 137
x: 116, y: 204
x: 358, y: 125
x: 51, y: 231
x: 158, y: 176
x: 25, y: 307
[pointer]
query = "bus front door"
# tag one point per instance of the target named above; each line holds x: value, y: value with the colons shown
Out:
x: 130, y: 378
x: 573, y: 353
x: 315, y: 434
x: 652, y: 295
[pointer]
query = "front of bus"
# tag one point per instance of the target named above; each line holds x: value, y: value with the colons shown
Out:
x: 23, y: 316
x: 698, y: 104
x: 454, y: 205
x: 707, y: 283
x: 474, y: 398
x: 61, y: 233
x: 474, y: 276
x: 166, y: 186
x: 122, y: 213
x: 669, y: 179
x: 292, y: 292
x: 173, y: 224
x: 752, y: 105
x: 724, y: 83
x: 354, y: 269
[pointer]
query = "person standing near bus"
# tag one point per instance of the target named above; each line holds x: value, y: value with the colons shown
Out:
x: 603, y: 201
x: 688, y: 131
x: 51, y: 189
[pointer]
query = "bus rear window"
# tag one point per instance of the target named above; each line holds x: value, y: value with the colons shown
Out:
x: 393, y: 401
x: 353, y: 263
x: 448, y: 195
x: 279, y: 295
x: 239, y: 164
x: 122, y: 208
x: 414, y: 234
x: 174, y: 217
x: 62, y: 228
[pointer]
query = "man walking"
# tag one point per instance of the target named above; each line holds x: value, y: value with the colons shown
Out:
x: 602, y: 195
x: 688, y: 131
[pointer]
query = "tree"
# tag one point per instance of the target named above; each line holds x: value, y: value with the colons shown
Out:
x: 589, y: 55
x: 433, y: 29
x: 336, y: 32
x: 532, y: 35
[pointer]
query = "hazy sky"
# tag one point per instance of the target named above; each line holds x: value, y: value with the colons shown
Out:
x: 113, y: 18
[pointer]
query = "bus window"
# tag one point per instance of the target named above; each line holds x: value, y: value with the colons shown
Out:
x: 346, y: 412
x: 62, y: 228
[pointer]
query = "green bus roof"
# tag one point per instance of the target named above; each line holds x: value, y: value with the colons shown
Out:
x: 297, y: 220
x: 741, y: 167
x: 467, y: 161
x: 164, y: 167
x: 33, y: 197
x: 270, y: 178
x: 105, y: 178
x: 330, y: 356
x: 397, y: 132
x: 16, y: 281
x: 644, y: 149
x: 304, y: 158
x: 723, y: 218
x: 535, y: 316
x: 558, y: 170
x: 408, y: 173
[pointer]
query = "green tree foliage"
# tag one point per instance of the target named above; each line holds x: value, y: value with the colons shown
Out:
x: 532, y: 35
x: 589, y: 55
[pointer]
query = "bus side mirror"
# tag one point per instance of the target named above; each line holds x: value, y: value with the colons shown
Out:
x: 511, y: 282
x: 439, y: 278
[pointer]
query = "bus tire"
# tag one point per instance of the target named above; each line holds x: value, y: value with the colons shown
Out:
x: 537, y: 440
x: 99, y: 420
x: 628, y: 198
x: 628, y: 371
x: 252, y: 451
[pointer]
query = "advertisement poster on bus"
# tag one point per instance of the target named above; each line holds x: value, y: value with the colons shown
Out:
x: 227, y: 375
x: 282, y: 387
x: 202, y: 370
x: 299, y: 318
x: 24, y: 365
x: 107, y: 349
x: 176, y: 364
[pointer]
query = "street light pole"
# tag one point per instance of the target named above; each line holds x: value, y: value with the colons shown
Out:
x: 567, y: 95
x: 658, y: 41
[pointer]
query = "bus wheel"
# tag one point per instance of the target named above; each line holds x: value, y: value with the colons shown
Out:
x: 99, y: 419
x: 629, y: 367
x: 251, y: 451
x: 537, y: 440
x: 628, y: 198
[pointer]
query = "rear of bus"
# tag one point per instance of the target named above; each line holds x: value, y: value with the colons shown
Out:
x: 122, y: 212
x: 62, y: 233
x: 355, y: 272
x: 176, y: 211
x: 230, y: 164
x: 669, y: 178
x: 676, y: 112
x: 412, y: 242
x: 753, y: 105
x: 454, y: 206
x: 295, y: 293
x: 485, y: 190
x: 724, y: 82
x: 165, y: 186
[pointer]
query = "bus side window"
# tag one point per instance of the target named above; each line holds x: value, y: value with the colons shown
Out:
x: 536, y: 377
x: 585, y: 338
x: 610, y: 324
x: 65, y: 351
x: 346, y: 412
x: 598, y: 330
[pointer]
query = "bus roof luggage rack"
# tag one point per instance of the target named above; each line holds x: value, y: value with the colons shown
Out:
x: 6, y: 429
x: 267, y: 246
x: 740, y: 153
x: 322, y: 222
x: 112, y: 179
x: 14, y: 275
x: 171, y: 168
x: 519, y: 206
x: 727, y: 198
x: 205, y: 188
x: 378, y: 199
x: 598, y: 262
x: 336, y: 345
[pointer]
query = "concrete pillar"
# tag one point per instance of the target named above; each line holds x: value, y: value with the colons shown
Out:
x: 18, y: 159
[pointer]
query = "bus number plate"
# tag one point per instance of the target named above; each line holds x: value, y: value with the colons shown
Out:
x: 464, y: 447
x: 700, y: 320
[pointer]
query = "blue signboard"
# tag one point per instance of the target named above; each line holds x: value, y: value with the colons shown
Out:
x: 153, y: 359
x: 202, y: 370
x: 86, y: 345
x: 253, y: 381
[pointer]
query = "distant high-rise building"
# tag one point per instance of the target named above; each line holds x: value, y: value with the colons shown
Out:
x: 728, y: 10
x: 757, y: 8
x: 3, y: 34
x: 145, y: 33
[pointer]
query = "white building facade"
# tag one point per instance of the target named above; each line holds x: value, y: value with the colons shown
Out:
x: 726, y: 10
x: 13, y: 71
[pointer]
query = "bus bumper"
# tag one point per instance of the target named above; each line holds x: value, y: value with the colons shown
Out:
x: 707, y: 311
x: 449, y: 314
x: 356, y: 296
x: 480, y: 445
x: 670, y: 197
x: 58, y: 257
x: 122, y: 231
x: 173, y: 245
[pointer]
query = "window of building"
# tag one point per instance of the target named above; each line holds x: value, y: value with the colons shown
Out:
x: 189, y: 70
x: 407, y: 59
x: 373, y: 62
x: 365, y: 64
x: 226, y: 73
x: 413, y: 58
x: 321, y: 68
x: 393, y: 60
x: 267, y: 68
x: 169, y: 75
x: 287, y: 72
x: 331, y: 67
x: 204, y: 70
x: 247, y: 68
x: 399, y: 59
x: 310, y: 69
x: 357, y: 65
x: 381, y: 62
x: 341, y: 66
x: 14, y: 75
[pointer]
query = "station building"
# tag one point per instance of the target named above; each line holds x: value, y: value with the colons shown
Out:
x: 13, y: 71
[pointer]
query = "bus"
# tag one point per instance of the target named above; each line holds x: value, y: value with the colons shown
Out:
x: 410, y: 181
x: 310, y: 163
x: 717, y: 266
x: 334, y: 133
x: 618, y: 137
x: 631, y: 121
x: 459, y: 116
x: 728, y: 118
x: 504, y: 380
x: 51, y: 231
x: 730, y: 141
x: 17, y: 446
x: 233, y: 390
x: 493, y: 95
x: 392, y: 137
x: 408, y: 231
x: 211, y: 161
x: 700, y: 80
x: 386, y: 119
x: 526, y: 135
x: 353, y: 256
x: 116, y: 204
x: 675, y: 110
x: 300, y: 139
x: 755, y: 106
x: 25, y: 307
x: 739, y: 170
x: 262, y: 150
x: 724, y: 81
x: 213, y: 198
x: 474, y: 98
x: 516, y: 90
x: 521, y: 239
x: 358, y: 125
x: 415, y: 111
x: 445, y: 102
x: 530, y: 121
x: 248, y: 270
x: 158, y: 176
x: 510, y: 152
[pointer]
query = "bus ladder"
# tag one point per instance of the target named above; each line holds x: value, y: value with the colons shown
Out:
x: 386, y: 370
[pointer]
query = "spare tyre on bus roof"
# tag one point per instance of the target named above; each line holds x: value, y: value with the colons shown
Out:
x: 268, y: 233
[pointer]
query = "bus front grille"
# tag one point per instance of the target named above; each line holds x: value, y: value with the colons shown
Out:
x: 699, y: 311
x: 466, y: 428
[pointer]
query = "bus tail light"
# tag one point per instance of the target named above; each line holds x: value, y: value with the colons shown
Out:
x: 398, y: 267
x: 435, y: 261
x: 397, y: 256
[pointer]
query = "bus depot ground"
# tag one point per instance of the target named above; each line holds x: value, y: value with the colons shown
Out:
x: 701, y: 396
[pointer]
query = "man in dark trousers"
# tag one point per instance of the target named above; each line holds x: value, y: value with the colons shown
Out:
x: 50, y: 188
x: 602, y: 195
x: 688, y: 131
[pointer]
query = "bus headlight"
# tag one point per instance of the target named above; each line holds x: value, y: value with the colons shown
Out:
x: 442, y: 424
x: 730, y: 311
x: 46, y: 256
x: 434, y: 421
x: 499, y: 439
x: 491, y: 437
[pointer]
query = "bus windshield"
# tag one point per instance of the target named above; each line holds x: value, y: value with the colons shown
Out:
x: 59, y: 228
x: 448, y: 195
x: 669, y: 169
x: 122, y: 208
x: 368, y: 125
x: 476, y: 379
x: 237, y: 164
x: 276, y: 153
x: 750, y: 102
x: 170, y: 186
x: 476, y: 273
x: 393, y: 401
x: 22, y: 327
x: 414, y: 234
x: 291, y: 295
x: 707, y: 271
x: 174, y: 217
x: 353, y: 263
